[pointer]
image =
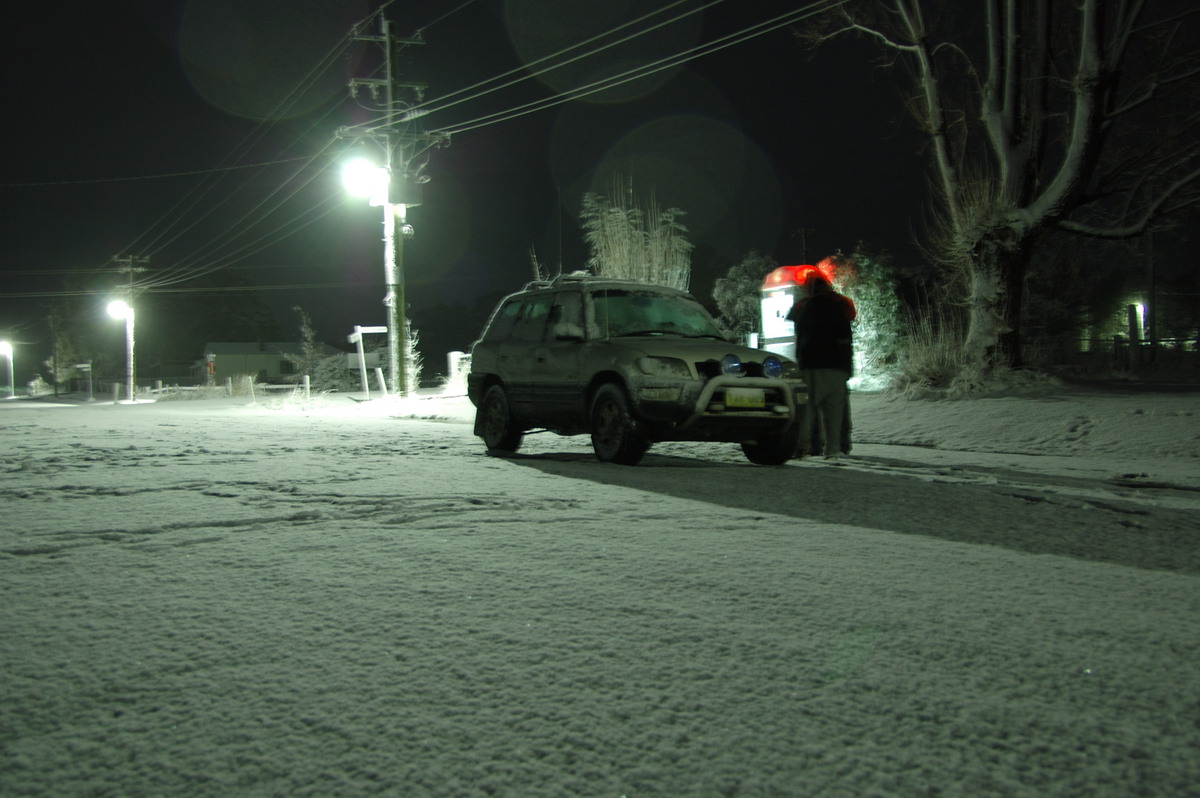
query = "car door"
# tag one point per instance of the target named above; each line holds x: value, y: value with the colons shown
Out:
x: 518, y: 352
x: 556, y: 369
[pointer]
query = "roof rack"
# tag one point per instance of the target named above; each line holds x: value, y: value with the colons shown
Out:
x: 559, y: 279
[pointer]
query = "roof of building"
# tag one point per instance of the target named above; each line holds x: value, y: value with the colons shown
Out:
x: 266, y: 348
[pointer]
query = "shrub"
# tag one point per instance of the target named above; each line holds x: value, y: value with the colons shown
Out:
x: 739, y: 293
x: 929, y: 356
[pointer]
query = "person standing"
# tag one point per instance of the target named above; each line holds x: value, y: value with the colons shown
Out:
x: 825, y: 353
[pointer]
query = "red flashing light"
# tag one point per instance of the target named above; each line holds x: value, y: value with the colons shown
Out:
x: 796, y: 275
x: 828, y: 268
x: 787, y: 275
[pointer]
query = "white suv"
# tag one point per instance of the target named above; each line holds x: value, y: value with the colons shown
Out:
x: 631, y: 363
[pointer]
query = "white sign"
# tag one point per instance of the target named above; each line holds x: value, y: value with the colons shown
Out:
x: 357, y: 335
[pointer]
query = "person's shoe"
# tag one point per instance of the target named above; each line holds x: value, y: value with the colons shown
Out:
x: 834, y: 456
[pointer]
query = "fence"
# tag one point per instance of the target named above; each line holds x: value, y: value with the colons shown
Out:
x: 1175, y: 356
x: 244, y: 385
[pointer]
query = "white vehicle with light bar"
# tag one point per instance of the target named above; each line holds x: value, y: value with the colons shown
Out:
x: 630, y: 363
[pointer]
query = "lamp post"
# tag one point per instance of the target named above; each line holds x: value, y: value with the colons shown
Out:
x: 364, y: 179
x: 6, y: 350
x: 120, y: 309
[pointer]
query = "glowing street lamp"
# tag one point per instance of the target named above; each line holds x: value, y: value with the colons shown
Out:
x: 363, y: 179
x: 6, y: 350
x: 120, y: 309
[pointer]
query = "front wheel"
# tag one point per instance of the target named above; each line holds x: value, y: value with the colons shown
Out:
x: 774, y: 449
x: 617, y: 437
x: 494, y: 423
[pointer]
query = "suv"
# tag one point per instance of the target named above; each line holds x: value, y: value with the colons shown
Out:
x: 631, y: 363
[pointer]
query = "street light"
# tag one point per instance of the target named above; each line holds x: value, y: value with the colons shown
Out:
x: 363, y: 179
x: 120, y: 309
x: 7, y: 351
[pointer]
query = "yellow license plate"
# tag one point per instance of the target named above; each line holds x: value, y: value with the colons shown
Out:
x: 744, y: 398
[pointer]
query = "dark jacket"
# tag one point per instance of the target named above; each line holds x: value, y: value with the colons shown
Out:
x: 823, y: 332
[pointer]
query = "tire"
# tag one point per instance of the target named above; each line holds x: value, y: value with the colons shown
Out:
x: 617, y: 437
x: 494, y: 423
x: 773, y: 450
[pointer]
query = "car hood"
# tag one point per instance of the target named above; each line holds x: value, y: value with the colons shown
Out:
x: 690, y: 349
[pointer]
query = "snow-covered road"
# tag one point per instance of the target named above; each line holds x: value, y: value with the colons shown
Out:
x: 209, y: 598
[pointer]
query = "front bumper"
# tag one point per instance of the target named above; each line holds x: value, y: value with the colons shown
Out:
x: 722, y: 408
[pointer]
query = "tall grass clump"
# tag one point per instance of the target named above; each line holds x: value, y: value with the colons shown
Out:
x: 930, y: 358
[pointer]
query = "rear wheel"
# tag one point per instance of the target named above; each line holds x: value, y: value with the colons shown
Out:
x: 773, y: 449
x: 617, y: 437
x: 494, y: 423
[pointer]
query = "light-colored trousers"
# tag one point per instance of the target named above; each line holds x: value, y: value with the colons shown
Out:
x: 827, y: 400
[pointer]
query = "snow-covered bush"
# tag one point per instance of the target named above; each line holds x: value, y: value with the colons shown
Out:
x: 867, y: 278
x: 632, y: 238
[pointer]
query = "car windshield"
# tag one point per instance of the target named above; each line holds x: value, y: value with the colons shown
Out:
x: 618, y: 312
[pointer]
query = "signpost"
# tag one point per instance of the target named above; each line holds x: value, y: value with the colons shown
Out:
x: 88, y: 368
x: 356, y: 338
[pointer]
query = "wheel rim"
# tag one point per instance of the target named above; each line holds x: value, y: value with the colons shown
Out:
x: 494, y: 420
x: 608, y: 427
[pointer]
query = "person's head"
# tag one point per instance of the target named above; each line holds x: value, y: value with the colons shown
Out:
x: 815, y: 283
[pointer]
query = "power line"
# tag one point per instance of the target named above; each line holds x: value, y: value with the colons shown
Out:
x: 163, y: 176
x: 193, y: 290
x: 212, y: 262
x: 645, y: 70
x: 420, y: 110
x: 171, y: 219
x: 443, y: 17
x: 282, y: 231
x: 209, y: 257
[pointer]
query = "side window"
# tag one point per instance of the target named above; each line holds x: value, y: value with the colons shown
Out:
x: 502, y: 322
x: 566, y: 316
x: 614, y: 313
x: 531, y: 325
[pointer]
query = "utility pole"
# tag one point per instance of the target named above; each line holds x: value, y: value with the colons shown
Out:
x: 1152, y: 302
x: 53, y: 351
x: 130, y: 266
x: 802, y: 234
x: 403, y: 192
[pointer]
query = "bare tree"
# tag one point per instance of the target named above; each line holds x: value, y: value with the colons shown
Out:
x: 636, y: 239
x: 1042, y: 116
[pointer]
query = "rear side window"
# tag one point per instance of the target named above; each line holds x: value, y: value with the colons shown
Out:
x: 567, y: 316
x: 531, y: 324
x: 503, y: 321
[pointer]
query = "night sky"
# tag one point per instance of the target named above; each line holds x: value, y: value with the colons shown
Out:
x: 125, y: 118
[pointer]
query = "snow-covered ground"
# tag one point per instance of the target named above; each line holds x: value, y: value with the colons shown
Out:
x: 331, y: 598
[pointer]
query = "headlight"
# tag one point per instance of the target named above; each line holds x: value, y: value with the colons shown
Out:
x: 791, y: 370
x: 664, y: 367
x: 772, y: 366
x: 732, y: 366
